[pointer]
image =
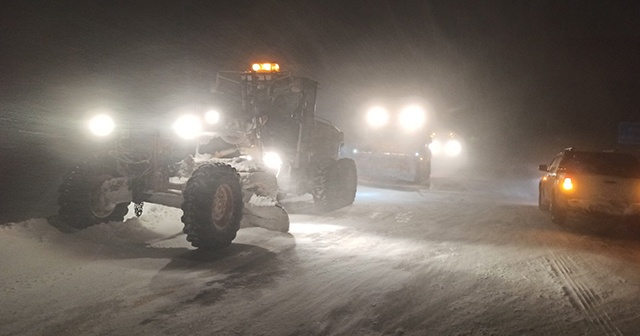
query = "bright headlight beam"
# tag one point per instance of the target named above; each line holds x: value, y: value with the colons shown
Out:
x: 101, y: 125
x: 436, y: 147
x: 452, y: 148
x: 188, y: 126
x: 212, y: 117
x: 272, y: 160
x: 412, y: 118
x: 377, y: 117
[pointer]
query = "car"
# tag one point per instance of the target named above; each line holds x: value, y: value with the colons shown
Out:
x: 592, y: 183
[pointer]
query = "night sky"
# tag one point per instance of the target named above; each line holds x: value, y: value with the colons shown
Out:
x: 505, y: 74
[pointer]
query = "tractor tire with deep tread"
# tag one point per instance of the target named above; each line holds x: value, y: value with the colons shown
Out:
x: 345, y: 181
x: 335, y: 184
x: 212, y: 206
x: 321, y: 175
x: 77, y: 194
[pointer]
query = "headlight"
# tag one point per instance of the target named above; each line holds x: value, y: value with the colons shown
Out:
x: 452, y: 148
x: 212, y: 117
x: 272, y: 160
x: 412, y: 118
x: 436, y: 147
x: 188, y: 126
x: 101, y: 125
x: 377, y: 117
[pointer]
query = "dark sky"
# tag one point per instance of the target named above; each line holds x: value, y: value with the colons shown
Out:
x: 504, y: 72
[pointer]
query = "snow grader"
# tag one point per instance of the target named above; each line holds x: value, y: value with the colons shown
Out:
x: 391, y: 153
x: 256, y: 141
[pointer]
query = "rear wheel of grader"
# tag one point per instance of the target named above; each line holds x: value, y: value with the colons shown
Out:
x: 212, y: 206
x: 82, y: 199
x: 336, y: 184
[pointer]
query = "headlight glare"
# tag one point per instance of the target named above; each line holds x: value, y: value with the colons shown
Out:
x: 377, y: 117
x: 412, y: 118
x: 101, y: 125
x: 212, y: 117
x: 452, y: 148
x: 272, y: 160
x: 436, y: 147
x: 188, y: 126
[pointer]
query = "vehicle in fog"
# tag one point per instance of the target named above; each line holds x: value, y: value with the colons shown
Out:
x: 395, y: 145
x: 257, y: 139
x: 591, y: 182
x: 449, y: 153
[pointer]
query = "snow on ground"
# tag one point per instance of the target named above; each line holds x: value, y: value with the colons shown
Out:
x: 463, y: 257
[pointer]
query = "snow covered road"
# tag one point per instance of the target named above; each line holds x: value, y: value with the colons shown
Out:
x: 466, y: 257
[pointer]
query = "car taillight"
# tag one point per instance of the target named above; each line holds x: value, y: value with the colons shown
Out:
x: 567, y: 183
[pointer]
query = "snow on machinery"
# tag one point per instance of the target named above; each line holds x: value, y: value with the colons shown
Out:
x: 260, y: 141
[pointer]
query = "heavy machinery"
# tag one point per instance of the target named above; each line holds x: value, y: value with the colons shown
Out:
x: 449, y: 153
x: 254, y: 141
x: 394, y: 153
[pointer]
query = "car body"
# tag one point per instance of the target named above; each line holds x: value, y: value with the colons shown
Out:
x: 590, y: 182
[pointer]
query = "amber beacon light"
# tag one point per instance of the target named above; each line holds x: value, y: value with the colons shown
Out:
x: 265, y: 67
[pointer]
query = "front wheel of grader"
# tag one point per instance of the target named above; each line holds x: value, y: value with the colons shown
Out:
x: 212, y: 206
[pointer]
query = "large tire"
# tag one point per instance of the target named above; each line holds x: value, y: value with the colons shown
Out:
x: 78, y: 193
x: 558, y: 212
x: 321, y: 175
x: 335, y: 184
x: 212, y: 206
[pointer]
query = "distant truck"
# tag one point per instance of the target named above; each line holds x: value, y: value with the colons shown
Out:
x: 256, y: 139
x: 394, y: 147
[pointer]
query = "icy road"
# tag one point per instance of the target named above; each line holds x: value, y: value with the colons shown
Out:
x: 466, y: 257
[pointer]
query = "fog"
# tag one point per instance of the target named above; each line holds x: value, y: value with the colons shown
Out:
x: 518, y: 81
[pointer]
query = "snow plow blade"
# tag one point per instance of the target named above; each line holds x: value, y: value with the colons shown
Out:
x: 393, y: 167
x: 261, y: 207
x: 273, y: 218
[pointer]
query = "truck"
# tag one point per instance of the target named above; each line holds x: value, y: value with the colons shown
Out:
x: 394, y: 147
x: 255, y: 140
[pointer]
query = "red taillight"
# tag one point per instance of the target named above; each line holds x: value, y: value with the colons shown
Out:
x: 567, y: 184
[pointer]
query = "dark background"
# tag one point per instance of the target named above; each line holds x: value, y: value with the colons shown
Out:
x: 520, y: 80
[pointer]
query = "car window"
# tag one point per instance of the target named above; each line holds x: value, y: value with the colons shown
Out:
x: 555, y: 163
x: 602, y: 163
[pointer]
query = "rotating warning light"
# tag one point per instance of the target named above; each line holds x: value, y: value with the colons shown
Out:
x: 265, y: 67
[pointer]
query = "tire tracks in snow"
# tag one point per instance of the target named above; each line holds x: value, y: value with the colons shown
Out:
x: 581, y: 295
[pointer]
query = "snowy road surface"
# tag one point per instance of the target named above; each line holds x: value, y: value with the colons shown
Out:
x: 466, y: 257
